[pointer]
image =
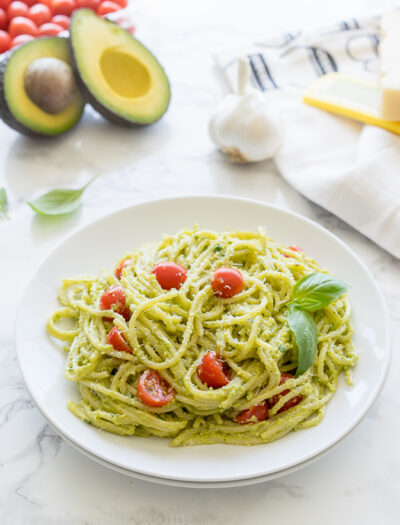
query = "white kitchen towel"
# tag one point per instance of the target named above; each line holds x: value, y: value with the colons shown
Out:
x: 352, y: 170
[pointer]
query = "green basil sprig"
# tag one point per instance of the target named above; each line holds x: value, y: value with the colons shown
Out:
x: 317, y: 290
x: 3, y: 203
x: 311, y: 293
x: 59, y: 202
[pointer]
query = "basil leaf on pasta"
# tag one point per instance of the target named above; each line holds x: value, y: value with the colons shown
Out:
x: 305, y: 332
x: 59, y: 202
x: 3, y: 203
x: 317, y: 290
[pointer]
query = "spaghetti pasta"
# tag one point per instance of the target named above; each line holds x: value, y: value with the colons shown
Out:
x: 170, y: 331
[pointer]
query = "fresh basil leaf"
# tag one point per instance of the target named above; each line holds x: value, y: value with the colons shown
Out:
x: 3, y: 203
x: 59, y: 202
x: 305, y: 332
x: 317, y: 290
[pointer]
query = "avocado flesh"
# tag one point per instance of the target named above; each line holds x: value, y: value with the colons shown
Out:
x: 16, y: 108
x: 119, y: 76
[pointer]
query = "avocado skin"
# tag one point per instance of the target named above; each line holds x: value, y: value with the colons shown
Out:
x: 92, y: 100
x: 5, y: 113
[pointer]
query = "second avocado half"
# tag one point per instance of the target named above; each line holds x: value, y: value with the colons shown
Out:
x: 117, y: 74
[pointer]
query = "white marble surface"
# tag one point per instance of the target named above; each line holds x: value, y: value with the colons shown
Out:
x: 42, y: 479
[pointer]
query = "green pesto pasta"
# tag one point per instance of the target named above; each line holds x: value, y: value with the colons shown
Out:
x: 170, y: 331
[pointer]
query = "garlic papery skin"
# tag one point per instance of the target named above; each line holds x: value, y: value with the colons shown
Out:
x: 244, y: 126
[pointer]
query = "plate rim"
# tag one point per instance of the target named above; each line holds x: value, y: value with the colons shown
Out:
x: 191, y: 479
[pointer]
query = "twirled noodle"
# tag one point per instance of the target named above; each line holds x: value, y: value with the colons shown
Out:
x: 170, y: 331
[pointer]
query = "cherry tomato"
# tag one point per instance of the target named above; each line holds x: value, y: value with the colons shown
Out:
x: 254, y: 414
x: 29, y: 3
x: 49, y: 3
x: 289, y: 404
x: 50, y: 29
x: 213, y: 371
x: 121, y: 3
x: 61, y: 20
x: 153, y: 390
x: 5, y: 41
x: 89, y: 4
x: 294, y: 248
x: 4, y: 4
x: 115, y: 299
x: 170, y: 275
x: 227, y: 282
x: 21, y: 39
x: 63, y: 7
x: 117, y: 339
x: 17, y: 9
x: 3, y: 19
x: 120, y: 267
x: 40, y: 14
x: 107, y: 7
x: 125, y: 23
x: 21, y: 25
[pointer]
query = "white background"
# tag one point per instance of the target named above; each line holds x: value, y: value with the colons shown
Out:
x: 44, y: 480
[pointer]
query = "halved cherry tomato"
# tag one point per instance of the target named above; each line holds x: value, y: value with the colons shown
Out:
x: 17, y: 8
x: 213, y: 371
x: 21, y: 39
x: 21, y: 25
x: 170, y: 275
x: 254, y: 414
x: 5, y: 41
x: 117, y: 339
x: 107, y: 7
x: 3, y: 19
x: 120, y: 267
x: 153, y: 390
x: 294, y: 248
x: 50, y: 29
x: 115, y: 299
x: 63, y: 7
x: 227, y: 282
x: 40, y: 14
x: 289, y: 404
x: 61, y: 20
x: 89, y: 4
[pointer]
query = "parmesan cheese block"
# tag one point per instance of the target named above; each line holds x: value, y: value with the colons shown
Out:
x: 349, y: 97
x: 389, y: 52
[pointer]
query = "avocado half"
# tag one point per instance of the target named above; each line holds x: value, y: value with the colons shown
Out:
x: 16, y: 109
x: 117, y: 74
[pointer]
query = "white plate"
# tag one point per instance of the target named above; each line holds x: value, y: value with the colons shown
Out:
x: 102, y: 243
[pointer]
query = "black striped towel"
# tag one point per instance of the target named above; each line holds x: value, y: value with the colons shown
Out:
x: 348, y: 168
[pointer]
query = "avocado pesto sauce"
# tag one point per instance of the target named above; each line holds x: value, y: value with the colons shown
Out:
x: 166, y: 334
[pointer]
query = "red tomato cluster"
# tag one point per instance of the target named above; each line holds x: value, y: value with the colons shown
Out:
x: 24, y: 20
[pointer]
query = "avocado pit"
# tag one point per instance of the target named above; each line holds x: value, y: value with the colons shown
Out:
x: 49, y: 83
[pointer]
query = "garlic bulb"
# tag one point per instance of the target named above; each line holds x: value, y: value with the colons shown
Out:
x: 244, y: 126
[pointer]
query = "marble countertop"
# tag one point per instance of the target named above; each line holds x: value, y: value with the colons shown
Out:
x: 43, y: 480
